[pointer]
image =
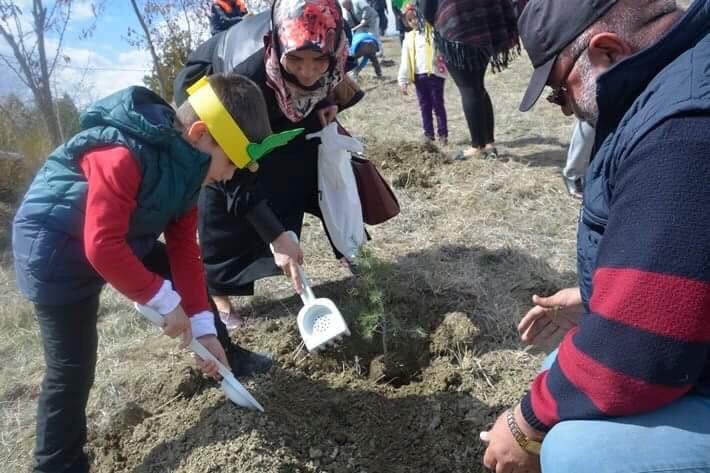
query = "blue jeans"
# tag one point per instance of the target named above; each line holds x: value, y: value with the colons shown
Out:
x: 675, y: 438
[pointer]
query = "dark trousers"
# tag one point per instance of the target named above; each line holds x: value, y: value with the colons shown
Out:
x: 430, y: 93
x: 70, y: 341
x: 382, y: 13
x: 368, y: 52
x: 477, y: 106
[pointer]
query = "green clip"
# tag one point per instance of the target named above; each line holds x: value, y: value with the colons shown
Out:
x: 256, y: 151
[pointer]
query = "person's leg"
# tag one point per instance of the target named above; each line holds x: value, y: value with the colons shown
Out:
x: 476, y: 104
x: 424, y: 95
x: 631, y: 444
x: 488, y: 131
x: 69, y: 340
x: 383, y: 21
x: 437, y: 99
x: 376, y: 65
x: 675, y: 438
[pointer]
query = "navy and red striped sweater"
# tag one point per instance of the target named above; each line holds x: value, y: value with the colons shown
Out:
x: 645, y: 340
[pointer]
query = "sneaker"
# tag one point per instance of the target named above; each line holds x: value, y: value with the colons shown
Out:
x: 443, y: 141
x: 247, y: 363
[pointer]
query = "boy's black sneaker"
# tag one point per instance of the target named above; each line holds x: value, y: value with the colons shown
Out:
x: 245, y: 363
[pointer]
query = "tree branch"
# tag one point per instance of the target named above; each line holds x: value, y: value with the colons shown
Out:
x: 61, y: 37
x: 151, y: 47
x: 21, y: 60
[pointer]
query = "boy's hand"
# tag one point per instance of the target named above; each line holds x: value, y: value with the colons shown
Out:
x: 288, y: 255
x: 327, y: 114
x: 177, y: 324
x: 209, y: 367
x: 551, y: 317
x: 404, y: 88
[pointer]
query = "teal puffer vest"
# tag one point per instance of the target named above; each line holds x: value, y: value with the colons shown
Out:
x: 48, y: 230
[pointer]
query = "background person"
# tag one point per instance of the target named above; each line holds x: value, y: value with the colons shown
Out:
x: 629, y: 387
x: 471, y: 34
x: 299, y: 71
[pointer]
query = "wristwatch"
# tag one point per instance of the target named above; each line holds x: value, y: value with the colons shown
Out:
x: 525, y: 442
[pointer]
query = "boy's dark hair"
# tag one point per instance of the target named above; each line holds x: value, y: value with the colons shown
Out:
x: 242, y: 98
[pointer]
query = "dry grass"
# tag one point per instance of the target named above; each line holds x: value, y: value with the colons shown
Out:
x: 489, y: 233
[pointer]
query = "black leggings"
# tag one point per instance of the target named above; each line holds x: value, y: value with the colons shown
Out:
x: 477, y: 106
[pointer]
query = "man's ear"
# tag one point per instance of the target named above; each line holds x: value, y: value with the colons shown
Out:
x: 606, y: 49
x: 196, y: 131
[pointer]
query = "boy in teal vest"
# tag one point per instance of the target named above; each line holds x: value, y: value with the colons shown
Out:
x: 93, y: 215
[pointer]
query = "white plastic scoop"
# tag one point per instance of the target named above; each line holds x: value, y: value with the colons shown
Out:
x: 232, y: 388
x: 319, y: 320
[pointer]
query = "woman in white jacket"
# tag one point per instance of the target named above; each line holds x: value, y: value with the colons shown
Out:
x: 422, y: 66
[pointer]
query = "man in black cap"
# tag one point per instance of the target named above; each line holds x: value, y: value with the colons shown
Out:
x: 628, y: 390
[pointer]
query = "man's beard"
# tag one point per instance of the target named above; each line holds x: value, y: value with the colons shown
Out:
x: 585, y: 106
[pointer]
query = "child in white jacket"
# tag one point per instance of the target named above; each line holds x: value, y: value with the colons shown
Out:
x: 421, y: 65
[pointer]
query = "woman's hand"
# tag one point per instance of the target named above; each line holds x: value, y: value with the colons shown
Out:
x: 327, y: 114
x: 209, y: 367
x: 551, y: 317
x: 288, y: 256
x: 177, y: 324
x: 404, y: 89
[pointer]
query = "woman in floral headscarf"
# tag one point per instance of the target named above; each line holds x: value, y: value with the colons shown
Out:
x: 299, y: 65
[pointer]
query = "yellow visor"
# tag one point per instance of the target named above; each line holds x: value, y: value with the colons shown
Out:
x: 226, y: 132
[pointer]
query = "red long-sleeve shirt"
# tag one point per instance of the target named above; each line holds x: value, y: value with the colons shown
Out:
x: 114, y: 179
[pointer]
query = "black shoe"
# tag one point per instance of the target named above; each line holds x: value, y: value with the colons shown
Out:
x: 574, y: 186
x: 247, y: 363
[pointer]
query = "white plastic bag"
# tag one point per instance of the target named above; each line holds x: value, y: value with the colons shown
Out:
x: 338, y: 196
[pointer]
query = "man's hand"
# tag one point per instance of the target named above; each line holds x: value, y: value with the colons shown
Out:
x: 503, y: 454
x: 209, y: 367
x: 177, y: 324
x: 327, y: 114
x: 288, y: 255
x: 551, y: 317
x: 404, y: 88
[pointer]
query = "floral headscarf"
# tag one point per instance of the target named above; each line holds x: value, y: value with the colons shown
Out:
x: 305, y: 24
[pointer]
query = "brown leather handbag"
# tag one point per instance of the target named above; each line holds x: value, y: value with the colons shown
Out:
x: 377, y: 199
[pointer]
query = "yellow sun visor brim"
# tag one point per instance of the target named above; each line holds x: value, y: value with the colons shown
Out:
x: 225, y: 131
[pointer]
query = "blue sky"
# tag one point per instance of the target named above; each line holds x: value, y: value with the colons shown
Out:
x: 100, y: 64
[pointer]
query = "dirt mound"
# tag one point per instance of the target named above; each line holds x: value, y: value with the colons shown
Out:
x: 347, y: 409
x: 336, y: 422
x: 456, y: 332
x: 408, y: 164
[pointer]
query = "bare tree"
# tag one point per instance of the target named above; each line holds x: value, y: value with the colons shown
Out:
x: 31, y: 63
x: 170, y: 31
x: 148, y: 38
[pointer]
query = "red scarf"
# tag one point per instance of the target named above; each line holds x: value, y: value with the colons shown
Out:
x: 305, y: 24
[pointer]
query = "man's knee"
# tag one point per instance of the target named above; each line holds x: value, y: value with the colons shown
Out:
x: 567, y: 449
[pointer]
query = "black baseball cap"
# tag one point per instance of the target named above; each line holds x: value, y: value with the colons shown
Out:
x: 546, y: 28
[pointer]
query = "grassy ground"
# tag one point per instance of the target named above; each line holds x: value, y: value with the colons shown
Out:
x: 476, y: 238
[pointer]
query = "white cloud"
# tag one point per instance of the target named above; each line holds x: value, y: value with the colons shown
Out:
x: 91, y: 75
x: 82, y: 10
